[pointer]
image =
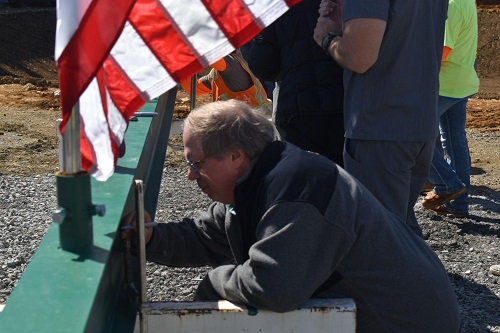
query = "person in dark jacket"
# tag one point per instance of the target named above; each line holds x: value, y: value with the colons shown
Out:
x: 309, y: 110
x: 289, y: 225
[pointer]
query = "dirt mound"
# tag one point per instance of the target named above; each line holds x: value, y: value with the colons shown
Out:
x: 29, y: 104
x: 27, y: 52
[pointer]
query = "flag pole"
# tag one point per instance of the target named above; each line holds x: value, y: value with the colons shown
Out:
x: 192, y: 103
x: 75, y: 211
x: 72, y: 162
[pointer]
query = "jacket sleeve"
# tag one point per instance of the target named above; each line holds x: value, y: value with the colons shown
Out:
x: 296, y: 252
x: 264, y: 58
x: 192, y: 242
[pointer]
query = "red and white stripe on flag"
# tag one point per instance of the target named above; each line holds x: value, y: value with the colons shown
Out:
x: 113, y: 56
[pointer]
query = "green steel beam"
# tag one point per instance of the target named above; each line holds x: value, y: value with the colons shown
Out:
x: 83, y: 291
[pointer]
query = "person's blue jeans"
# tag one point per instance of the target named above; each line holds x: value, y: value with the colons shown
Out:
x: 450, y: 174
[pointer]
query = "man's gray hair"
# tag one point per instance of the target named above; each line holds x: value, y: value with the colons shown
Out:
x: 225, y: 125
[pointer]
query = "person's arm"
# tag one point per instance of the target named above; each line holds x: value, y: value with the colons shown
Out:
x: 446, y: 52
x: 190, y: 242
x: 358, y: 47
x: 201, y: 86
x: 204, y: 84
x: 295, y: 253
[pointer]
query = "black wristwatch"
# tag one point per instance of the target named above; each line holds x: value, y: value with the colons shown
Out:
x: 327, y: 39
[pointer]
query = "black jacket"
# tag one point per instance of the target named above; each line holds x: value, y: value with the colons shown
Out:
x: 299, y: 219
x: 311, y: 81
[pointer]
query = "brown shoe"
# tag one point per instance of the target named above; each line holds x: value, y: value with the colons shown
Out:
x: 440, y: 210
x: 433, y: 200
x: 426, y: 188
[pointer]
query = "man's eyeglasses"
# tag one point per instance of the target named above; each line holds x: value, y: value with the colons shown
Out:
x: 196, y: 166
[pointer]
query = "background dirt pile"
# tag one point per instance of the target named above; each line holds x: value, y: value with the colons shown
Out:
x: 29, y: 104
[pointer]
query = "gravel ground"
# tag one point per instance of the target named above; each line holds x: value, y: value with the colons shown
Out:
x: 467, y: 246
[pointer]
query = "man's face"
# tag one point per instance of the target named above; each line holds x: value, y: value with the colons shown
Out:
x: 215, y: 177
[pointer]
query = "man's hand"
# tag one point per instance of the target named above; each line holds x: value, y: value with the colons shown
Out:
x: 331, y: 9
x: 323, y: 26
x: 330, y: 19
x: 129, y: 227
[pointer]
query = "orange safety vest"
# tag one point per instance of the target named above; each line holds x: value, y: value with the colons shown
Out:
x: 255, y: 96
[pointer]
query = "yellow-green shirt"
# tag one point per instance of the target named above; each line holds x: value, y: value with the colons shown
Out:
x: 458, y: 77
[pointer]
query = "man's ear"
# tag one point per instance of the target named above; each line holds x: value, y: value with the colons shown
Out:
x: 239, y: 157
x: 237, y: 154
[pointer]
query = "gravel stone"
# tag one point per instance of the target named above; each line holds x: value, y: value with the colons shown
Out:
x: 466, y: 246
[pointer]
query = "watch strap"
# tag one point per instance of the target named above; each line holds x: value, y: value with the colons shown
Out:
x: 327, y: 40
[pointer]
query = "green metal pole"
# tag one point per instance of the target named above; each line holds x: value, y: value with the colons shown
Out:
x: 75, y: 219
x: 74, y: 215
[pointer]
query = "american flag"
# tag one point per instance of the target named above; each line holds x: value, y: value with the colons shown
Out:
x: 115, y: 55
